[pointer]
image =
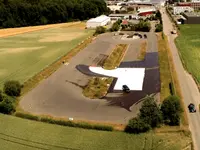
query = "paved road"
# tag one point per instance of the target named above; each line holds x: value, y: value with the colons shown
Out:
x: 188, y: 87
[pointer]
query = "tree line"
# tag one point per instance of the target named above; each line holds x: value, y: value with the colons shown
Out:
x: 17, y: 13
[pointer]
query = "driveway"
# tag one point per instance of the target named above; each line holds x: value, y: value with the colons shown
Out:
x: 188, y: 86
x: 60, y: 95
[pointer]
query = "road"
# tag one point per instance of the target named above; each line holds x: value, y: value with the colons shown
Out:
x: 189, y: 88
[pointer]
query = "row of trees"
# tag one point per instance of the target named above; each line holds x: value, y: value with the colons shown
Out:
x: 151, y: 115
x: 16, y: 13
x: 159, y: 27
x: 11, y: 90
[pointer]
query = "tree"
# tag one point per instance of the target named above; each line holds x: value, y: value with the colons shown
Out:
x: 12, y: 88
x: 150, y: 112
x: 7, y: 105
x: 159, y: 28
x: 1, y: 96
x: 100, y: 30
x: 171, y: 109
x: 115, y: 27
x: 136, y: 125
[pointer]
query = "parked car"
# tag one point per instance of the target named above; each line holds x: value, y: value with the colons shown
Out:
x: 126, y: 89
x: 173, y: 32
x: 191, y: 108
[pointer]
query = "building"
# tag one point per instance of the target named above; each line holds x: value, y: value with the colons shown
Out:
x: 181, y: 9
x: 146, y: 11
x: 191, y: 18
x: 114, y: 7
x: 194, y: 5
x: 123, y: 16
x: 98, y: 21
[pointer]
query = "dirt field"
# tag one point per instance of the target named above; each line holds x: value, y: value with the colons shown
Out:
x: 15, y: 31
x: 24, y: 55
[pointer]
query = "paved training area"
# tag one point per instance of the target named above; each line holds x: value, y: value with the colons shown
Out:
x: 60, y: 95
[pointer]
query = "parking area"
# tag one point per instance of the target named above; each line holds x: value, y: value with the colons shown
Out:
x: 60, y: 95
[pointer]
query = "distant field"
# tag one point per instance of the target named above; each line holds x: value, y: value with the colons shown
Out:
x: 24, y: 55
x: 188, y: 44
x: 21, y: 134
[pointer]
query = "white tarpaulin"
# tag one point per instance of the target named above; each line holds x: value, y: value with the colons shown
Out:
x: 132, y: 77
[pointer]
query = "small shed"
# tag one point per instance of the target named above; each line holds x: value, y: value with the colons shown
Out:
x: 98, y: 21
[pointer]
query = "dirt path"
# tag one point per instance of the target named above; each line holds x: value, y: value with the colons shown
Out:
x: 15, y: 31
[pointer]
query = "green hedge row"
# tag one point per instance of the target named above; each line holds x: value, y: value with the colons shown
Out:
x: 83, y: 125
x: 172, y: 18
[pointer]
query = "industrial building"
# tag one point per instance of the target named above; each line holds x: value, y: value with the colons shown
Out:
x: 146, y: 11
x: 191, y: 18
x: 98, y: 21
x: 123, y: 16
x: 181, y: 9
x: 194, y: 5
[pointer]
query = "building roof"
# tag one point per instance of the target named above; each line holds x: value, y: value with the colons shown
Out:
x: 142, y: 10
x: 192, y: 14
x: 114, y: 7
x: 99, y: 19
x: 121, y: 15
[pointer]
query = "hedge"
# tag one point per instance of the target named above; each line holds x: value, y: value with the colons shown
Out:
x: 50, y: 120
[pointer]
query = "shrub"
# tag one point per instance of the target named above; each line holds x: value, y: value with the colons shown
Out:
x: 12, y: 88
x: 150, y: 112
x: 159, y: 28
x: 144, y: 26
x: 27, y: 116
x: 7, y: 105
x: 115, y: 27
x: 171, y: 109
x: 100, y: 30
x: 137, y: 125
x: 1, y: 96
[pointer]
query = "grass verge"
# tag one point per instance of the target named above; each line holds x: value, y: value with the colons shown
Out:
x: 143, y: 48
x: 175, y: 81
x: 31, y: 83
x: 165, y: 74
x: 97, y: 87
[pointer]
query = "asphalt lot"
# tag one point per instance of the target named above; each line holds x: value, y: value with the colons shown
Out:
x: 60, y: 95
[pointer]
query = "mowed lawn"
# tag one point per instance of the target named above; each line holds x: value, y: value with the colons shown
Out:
x: 22, y: 134
x: 24, y: 55
x: 188, y: 44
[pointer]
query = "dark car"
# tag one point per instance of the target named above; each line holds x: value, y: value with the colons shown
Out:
x: 126, y: 89
x: 145, y: 36
x: 191, y: 108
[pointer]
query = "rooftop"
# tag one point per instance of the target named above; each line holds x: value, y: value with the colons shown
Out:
x: 193, y: 14
x: 98, y: 19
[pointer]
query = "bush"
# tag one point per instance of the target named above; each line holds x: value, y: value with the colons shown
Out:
x: 7, y: 105
x: 171, y: 109
x: 115, y: 27
x: 159, y: 28
x: 137, y: 125
x: 100, y: 30
x: 27, y: 116
x: 144, y: 26
x: 150, y: 112
x: 12, y: 88
x: 1, y: 96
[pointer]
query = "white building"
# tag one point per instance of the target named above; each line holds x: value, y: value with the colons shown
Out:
x: 180, y: 9
x: 114, y: 7
x: 98, y: 21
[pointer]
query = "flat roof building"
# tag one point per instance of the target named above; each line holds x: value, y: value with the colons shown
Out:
x: 98, y: 21
x: 191, y: 18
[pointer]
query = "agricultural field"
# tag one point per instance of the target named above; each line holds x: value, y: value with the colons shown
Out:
x: 24, y: 55
x: 21, y: 134
x: 188, y: 43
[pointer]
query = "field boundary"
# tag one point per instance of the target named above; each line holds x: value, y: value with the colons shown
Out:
x: 16, y: 31
x: 176, y: 83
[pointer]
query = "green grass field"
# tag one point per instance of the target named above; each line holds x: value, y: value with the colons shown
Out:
x: 24, y: 55
x: 188, y: 44
x: 22, y: 134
